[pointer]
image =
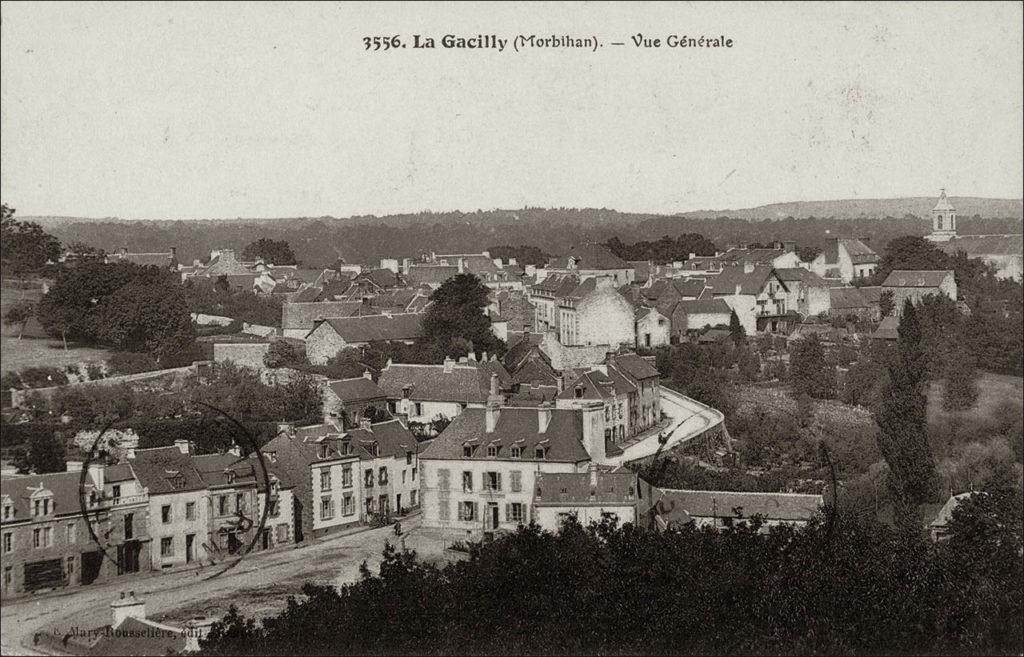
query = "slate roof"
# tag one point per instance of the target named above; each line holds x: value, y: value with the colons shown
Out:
x: 589, y: 256
x: 405, y: 326
x: 983, y: 245
x: 155, y: 468
x: 214, y: 468
x: 597, y: 385
x: 913, y: 278
x: 466, y: 383
x: 888, y: 329
x: 479, y: 264
x: 943, y: 203
x: 945, y: 514
x: 357, y: 389
x: 557, y: 285
x: 63, y: 485
x: 788, y: 507
x: 514, y: 426
x: 573, y: 488
x: 120, y: 472
x: 642, y: 269
x: 847, y: 298
x: 392, y: 439
x: 303, y: 315
x: 634, y: 366
x: 872, y: 293
x: 703, y: 307
x: 800, y: 275
x: 518, y: 351
x: 380, y: 277
x: 859, y: 252
x: 751, y: 283
x: 431, y: 274
x: 714, y: 335
x: 689, y: 287
x: 164, y: 260
x: 755, y: 256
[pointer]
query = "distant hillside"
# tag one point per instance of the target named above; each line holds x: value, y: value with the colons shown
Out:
x: 920, y: 206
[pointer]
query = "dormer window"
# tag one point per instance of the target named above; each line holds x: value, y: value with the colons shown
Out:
x: 176, y: 480
x: 231, y: 476
x: 538, y: 453
x: 517, y: 452
x: 467, y: 451
x: 322, y: 451
x: 42, y: 503
x: 492, y: 450
x: 271, y: 456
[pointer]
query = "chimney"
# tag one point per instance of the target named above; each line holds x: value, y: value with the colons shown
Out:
x: 560, y: 383
x: 184, y: 446
x: 471, y: 356
x: 494, y: 385
x: 483, y: 359
x: 449, y: 365
x: 531, y: 270
x: 365, y: 425
x: 512, y: 261
x: 463, y: 360
x: 367, y: 375
x: 543, y: 417
x: 123, y: 251
x: 74, y: 466
x: 287, y: 428
x: 127, y: 607
x: 462, y: 266
x: 690, y: 257
x: 235, y: 450
x: 593, y: 430
x: 174, y: 252
x: 748, y: 267
x: 406, y: 263
x: 96, y: 474
x: 592, y: 470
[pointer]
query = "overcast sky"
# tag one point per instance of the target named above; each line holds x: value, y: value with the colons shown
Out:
x: 266, y: 110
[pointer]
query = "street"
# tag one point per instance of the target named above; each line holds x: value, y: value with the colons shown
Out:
x: 689, y: 419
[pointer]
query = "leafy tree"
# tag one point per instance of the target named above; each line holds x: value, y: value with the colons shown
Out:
x: 910, y: 252
x: 150, y: 316
x: 809, y: 372
x: 664, y: 250
x: 43, y: 454
x: 283, y: 353
x: 24, y: 246
x: 748, y: 364
x: 901, y: 419
x: 43, y: 377
x: 19, y: 314
x: 458, y: 313
x: 694, y: 375
x: 736, y: 331
x: 961, y: 389
x: 275, y: 252
x: 886, y: 303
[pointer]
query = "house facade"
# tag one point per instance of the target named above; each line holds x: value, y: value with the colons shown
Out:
x: 331, y: 335
x: 596, y: 314
x: 845, y: 259
x: 592, y: 496
x: 351, y: 398
x: 390, y: 468
x: 756, y: 294
x: 424, y: 393
x: 653, y: 329
x: 913, y: 286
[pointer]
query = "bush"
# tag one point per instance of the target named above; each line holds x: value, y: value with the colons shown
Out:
x: 43, y: 377
x: 126, y: 362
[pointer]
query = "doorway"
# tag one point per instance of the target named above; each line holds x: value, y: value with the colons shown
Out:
x: 492, y: 515
x: 190, y: 547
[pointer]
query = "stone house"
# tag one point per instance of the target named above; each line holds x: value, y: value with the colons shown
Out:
x: 331, y: 335
x: 546, y: 295
x: 479, y: 475
x: 645, y: 402
x: 653, y: 329
x: 915, y: 285
x: 755, y: 293
x: 707, y: 508
x: 232, y: 497
x: 591, y: 496
x: 806, y: 292
x: 690, y: 316
x: 593, y: 260
x: 845, y: 259
x: 596, y: 314
x: 352, y: 397
x: 613, y: 391
x: 389, y: 466
x: 851, y: 301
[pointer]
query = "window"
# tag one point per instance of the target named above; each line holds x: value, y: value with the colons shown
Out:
x: 322, y: 451
x: 517, y: 452
x: 492, y: 481
x: 412, y: 497
x: 72, y: 533
x: 467, y: 511
x: 414, y: 473
x: 177, y: 481
x: 516, y: 512
x: 240, y: 502
x: 370, y: 505
x: 492, y: 450
x: 443, y: 511
x: 273, y: 509
x: 116, y: 491
x: 419, y: 408
x: 326, y: 508
x: 403, y: 476
x: 129, y: 526
x: 8, y: 511
x: 467, y: 482
x: 165, y: 514
x: 408, y: 458
x: 167, y: 546
x: 467, y: 451
x: 346, y: 476
x: 516, y: 481
x: 382, y: 476
x: 70, y: 570
x: 442, y: 478
x: 325, y: 479
x: 348, y: 506
x: 222, y: 505
x: 368, y: 478
x: 190, y: 511
x: 8, y: 542
x: 41, y: 506
x: 538, y: 453
x: 8, y: 577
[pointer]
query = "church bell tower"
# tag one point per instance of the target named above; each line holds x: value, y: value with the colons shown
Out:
x: 943, y: 220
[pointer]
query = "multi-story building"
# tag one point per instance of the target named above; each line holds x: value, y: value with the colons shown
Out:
x: 593, y: 260
x: 592, y: 496
x: 546, y: 295
x: 390, y: 468
x: 806, y: 292
x: 46, y: 540
x: 178, y: 505
x: 232, y: 499
x: 755, y: 293
x: 424, y: 393
x: 845, y: 259
x: 479, y: 474
x: 645, y: 401
x: 596, y: 314
x: 607, y: 386
x: 323, y: 464
x: 350, y: 398
x: 279, y: 528
x: 653, y: 329
x: 913, y: 286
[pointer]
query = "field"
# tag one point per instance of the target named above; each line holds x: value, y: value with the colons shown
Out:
x: 34, y: 352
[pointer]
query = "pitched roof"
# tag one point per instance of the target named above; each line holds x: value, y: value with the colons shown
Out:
x: 556, y: 285
x: 590, y: 256
x: 843, y: 298
x: 303, y: 315
x: 982, y: 245
x: 703, y: 307
x: 689, y: 287
x: 872, y: 293
x: 686, y: 504
x: 888, y: 329
x: 405, y: 326
x: 943, y: 203
x: 945, y: 514
x: 392, y: 439
x: 732, y: 278
x: 514, y: 426
x: 357, y: 389
x: 859, y: 252
x: 149, y: 259
x: 597, y: 385
x: 642, y: 269
x: 575, y: 489
x: 466, y: 382
x: 916, y: 278
x: 156, y: 468
x: 634, y: 366
x: 749, y: 256
x: 801, y: 275
x: 519, y: 350
x: 214, y: 469
x: 63, y: 485
x: 431, y: 274
x: 120, y: 472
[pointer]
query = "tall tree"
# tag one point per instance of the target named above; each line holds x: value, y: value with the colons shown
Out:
x: 458, y: 313
x: 44, y: 453
x: 19, y: 314
x: 736, y: 331
x: 24, y: 246
x: 810, y: 372
x: 886, y: 303
x: 961, y: 389
x: 902, y: 436
x: 275, y: 252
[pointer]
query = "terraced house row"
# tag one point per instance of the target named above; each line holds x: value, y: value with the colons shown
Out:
x: 168, y: 508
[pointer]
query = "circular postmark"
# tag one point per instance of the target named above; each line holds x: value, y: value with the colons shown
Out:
x: 93, y: 507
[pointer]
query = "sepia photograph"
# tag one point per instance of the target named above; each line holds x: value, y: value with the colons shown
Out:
x: 512, y: 328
